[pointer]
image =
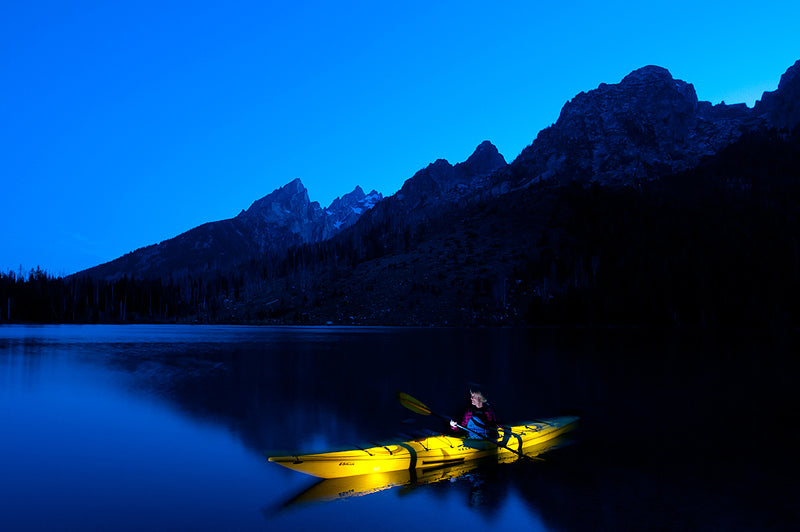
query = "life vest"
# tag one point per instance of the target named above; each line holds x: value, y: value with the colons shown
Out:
x: 476, y: 426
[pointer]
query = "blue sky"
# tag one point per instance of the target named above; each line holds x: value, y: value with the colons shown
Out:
x: 126, y: 123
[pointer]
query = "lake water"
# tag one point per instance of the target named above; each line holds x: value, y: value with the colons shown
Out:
x: 166, y: 427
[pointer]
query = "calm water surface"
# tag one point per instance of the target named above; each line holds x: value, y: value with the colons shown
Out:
x: 165, y: 427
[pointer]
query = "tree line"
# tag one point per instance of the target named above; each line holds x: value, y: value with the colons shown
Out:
x: 42, y: 298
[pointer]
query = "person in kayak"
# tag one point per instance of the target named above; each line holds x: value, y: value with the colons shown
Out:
x: 479, y: 420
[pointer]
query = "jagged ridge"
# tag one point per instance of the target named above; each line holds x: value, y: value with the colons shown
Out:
x: 284, y: 218
x: 647, y: 126
x: 644, y: 127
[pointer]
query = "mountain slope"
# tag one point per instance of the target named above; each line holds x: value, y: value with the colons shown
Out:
x: 436, y: 187
x: 646, y: 126
x: 781, y: 107
x: 713, y: 245
x: 284, y: 218
x: 707, y: 234
x: 552, y: 250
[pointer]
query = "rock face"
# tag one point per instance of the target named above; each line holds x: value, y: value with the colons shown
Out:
x: 283, y: 218
x: 439, y: 184
x: 272, y: 224
x: 441, y: 179
x: 781, y: 108
x: 345, y: 211
x: 647, y: 125
x: 287, y: 217
x: 483, y: 161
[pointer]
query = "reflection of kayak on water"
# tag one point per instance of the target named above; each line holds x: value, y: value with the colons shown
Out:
x: 429, y: 452
x: 345, y: 487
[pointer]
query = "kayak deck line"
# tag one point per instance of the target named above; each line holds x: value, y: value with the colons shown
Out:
x: 365, y: 450
x: 449, y: 461
x: 438, y: 449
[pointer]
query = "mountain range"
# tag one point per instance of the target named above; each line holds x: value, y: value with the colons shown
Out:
x: 282, y: 219
x: 459, y: 239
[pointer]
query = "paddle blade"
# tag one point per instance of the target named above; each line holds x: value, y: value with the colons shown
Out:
x: 413, y: 404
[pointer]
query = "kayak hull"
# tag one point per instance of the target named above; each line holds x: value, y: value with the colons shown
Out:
x: 333, y: 489
x: 429, y: 452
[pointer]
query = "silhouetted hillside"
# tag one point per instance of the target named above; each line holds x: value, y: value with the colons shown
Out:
x: 714, y: 245
x: 640, y: 206
x: 284, y: 218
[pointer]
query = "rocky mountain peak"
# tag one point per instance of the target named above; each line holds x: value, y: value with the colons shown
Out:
x: 348, y: 199
x: 441, y: 179
x: 656, y: 84
x: 646, y: 91
x: 346, y: 210
x: 790, y: 80
x: 288, y: 200
x: 484, y: 160
x: 647, y: 125
x: 355, y: 201
x: 647, y: 75
x: 782, y: 106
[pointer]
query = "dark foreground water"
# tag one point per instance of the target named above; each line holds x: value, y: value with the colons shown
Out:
x: 165, y: 427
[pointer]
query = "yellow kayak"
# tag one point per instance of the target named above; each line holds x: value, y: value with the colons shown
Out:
x: 332, y: 489
x: 428, y: 452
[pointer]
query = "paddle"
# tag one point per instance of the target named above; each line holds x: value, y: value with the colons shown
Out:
x: 417, y: 406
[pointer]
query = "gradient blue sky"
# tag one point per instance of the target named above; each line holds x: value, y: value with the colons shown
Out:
x: 123, y: 124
